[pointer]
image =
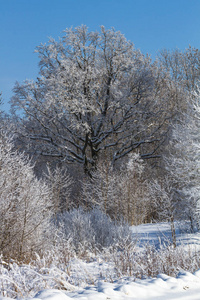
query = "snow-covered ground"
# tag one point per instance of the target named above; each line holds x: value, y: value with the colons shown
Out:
x: 159, y: 233
x: 185, y: 286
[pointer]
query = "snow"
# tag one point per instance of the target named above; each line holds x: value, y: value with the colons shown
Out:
x: 159, y: 233
x: 186, y: 286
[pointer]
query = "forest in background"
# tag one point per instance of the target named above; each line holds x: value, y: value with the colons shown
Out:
x: 104, y: 138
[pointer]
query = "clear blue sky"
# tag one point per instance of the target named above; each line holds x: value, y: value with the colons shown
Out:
x: 150, y: 24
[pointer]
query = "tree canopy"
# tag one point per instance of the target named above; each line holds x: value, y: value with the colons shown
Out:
x: 95, y: 94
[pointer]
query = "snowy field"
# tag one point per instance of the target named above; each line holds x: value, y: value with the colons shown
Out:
x: 185, y: 286
x: 160, y: 233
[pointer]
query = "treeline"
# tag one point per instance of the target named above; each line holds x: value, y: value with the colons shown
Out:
x: 106, y: 128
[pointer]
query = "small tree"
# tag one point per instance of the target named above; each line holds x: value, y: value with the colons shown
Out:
x: 122, y: 193
x: 59, y: 183
x: 183, y: 163
x: 165, y: 202
x: 25, y: 204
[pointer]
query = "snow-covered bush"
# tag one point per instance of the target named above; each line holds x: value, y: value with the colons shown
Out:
x: 165, y: 202
x: 92, y: 228
x: 59, y: 183
x: 151, y: 261
x: 114, y: 263
x: 25, y: 280
x: 25, y: 204
x: 183, y: 162
x: 122, y: 193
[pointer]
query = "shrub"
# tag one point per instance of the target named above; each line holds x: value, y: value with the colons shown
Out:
x: 92, y: 228
x: 25, y: 204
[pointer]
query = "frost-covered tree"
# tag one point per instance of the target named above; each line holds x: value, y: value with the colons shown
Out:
x: 6, y: 122
x: 122, y: 193
x: 25, y: 204
x: 183, y: 162
x: 182, y: 66
x: 60, y: 184
x: 94, y: 95
x: 165, y: 203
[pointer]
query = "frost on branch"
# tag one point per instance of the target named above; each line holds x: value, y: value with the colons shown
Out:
x: 25, y: 204
x: 121, y: 193
x: 94, y: 96
x: 92, y: 229
x: 60, y: 184
x: 183, y: 163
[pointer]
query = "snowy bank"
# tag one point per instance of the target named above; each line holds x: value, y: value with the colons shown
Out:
x: 185, y: 287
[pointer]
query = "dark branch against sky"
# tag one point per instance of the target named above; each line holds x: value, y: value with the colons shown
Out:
x: 150, y: 24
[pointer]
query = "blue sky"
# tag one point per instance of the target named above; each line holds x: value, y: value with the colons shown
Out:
x: 150, y: 24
